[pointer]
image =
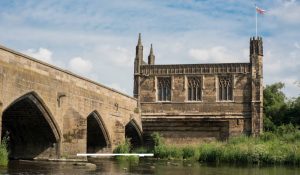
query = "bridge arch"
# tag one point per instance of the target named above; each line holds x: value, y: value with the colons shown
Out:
x: 134, y: 133
x: 97, y: 133
x: 31, y: 129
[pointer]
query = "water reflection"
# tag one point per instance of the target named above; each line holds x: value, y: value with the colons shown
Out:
x: 142, y: 166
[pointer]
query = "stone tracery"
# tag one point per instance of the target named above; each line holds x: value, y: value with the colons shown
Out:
x: 194, y: 89
x: 225, y: 88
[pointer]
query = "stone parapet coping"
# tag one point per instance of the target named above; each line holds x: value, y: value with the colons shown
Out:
x: 194, y: 118
x: 196, y: 113
x: 62, y: 70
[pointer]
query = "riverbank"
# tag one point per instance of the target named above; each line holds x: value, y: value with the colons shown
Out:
x: 280, y: 147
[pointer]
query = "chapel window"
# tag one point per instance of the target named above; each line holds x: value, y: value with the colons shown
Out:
x: 225, y: 88
x: 194, y: 89
x: 164, y: 88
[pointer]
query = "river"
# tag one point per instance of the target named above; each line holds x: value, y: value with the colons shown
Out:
x: 144, y: 166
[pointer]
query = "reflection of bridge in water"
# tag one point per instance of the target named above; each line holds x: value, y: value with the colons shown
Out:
x: 48, y: 112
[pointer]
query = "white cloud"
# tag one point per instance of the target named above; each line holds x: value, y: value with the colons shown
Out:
x: 118, y: 56
x: 271, y: 65
x: 290, y: 84
x: 218, y: 54
x: 288, y: 2
x: 117, y: 87
x: 289, y: 12
x: 297, y: 45
x: 42, y: 54
x: 106, y: 36
x: 80, y: 65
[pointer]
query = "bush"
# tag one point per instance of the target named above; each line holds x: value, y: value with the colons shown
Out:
x: 157, y: 139
x: 190, y: 153
x: 174, y: 152
x: 267, y: 136
x: 160, y: 151
x: 123, y: 147
x: 286, y: 129
x: 210, y: 152
x: 268, y: 124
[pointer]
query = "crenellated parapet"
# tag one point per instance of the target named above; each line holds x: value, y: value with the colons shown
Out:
x: 242, y: 68
x: 256, y: 46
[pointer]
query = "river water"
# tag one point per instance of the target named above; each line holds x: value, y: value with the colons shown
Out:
x: 107, y: 166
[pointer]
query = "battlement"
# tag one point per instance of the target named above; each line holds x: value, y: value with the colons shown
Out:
x: 256, y: 46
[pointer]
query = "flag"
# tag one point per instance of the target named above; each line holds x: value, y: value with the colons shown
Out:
x: 260, y: 11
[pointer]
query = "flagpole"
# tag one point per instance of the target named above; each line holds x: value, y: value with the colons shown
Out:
x: 255, y: 21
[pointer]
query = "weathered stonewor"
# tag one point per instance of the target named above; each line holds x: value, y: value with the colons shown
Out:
x: 50, y: 113
x: 226, y: 99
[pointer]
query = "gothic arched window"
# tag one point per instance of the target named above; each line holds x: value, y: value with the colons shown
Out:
x: 194, y: 89
x: 225, y: 88
x: 164, y: 88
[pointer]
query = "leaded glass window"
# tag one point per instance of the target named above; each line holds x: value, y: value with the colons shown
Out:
x: 225, y: 88
x: 164, y: 88
x: 194, y: 89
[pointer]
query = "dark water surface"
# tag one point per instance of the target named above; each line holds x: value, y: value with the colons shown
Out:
x: 107, y: 166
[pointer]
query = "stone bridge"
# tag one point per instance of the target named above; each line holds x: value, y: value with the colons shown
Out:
x: 50, y: 113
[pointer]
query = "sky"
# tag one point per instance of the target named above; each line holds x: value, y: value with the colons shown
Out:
x: 97, y: 38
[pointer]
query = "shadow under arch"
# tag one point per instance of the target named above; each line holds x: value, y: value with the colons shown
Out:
x: 31, y: 129
x: 97, y: 133
x: 134, y: 133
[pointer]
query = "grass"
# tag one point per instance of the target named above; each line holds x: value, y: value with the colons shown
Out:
x: 3, y: 153
x: 279, y: 147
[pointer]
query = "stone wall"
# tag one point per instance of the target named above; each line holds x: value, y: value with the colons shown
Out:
x: 68, y: 98
x: 200, y: 120
x: 210, y: 117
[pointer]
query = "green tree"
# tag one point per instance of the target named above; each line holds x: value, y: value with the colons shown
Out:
x: 274, y: 105
x: 278, y: 110
x: 293, y: 112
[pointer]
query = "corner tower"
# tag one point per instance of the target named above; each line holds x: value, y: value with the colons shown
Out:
x: 256, y: 62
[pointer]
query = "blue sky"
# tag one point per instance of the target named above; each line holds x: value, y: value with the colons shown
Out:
x: 97, y: 38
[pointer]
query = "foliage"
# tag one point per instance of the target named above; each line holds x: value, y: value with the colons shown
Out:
x: 157, y: 139
x: 278, y: 110
x: 3, y: 152
x: 123, y: 147
x: 126, y: 147
x: 190, y: 152
x: 279, y: 147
